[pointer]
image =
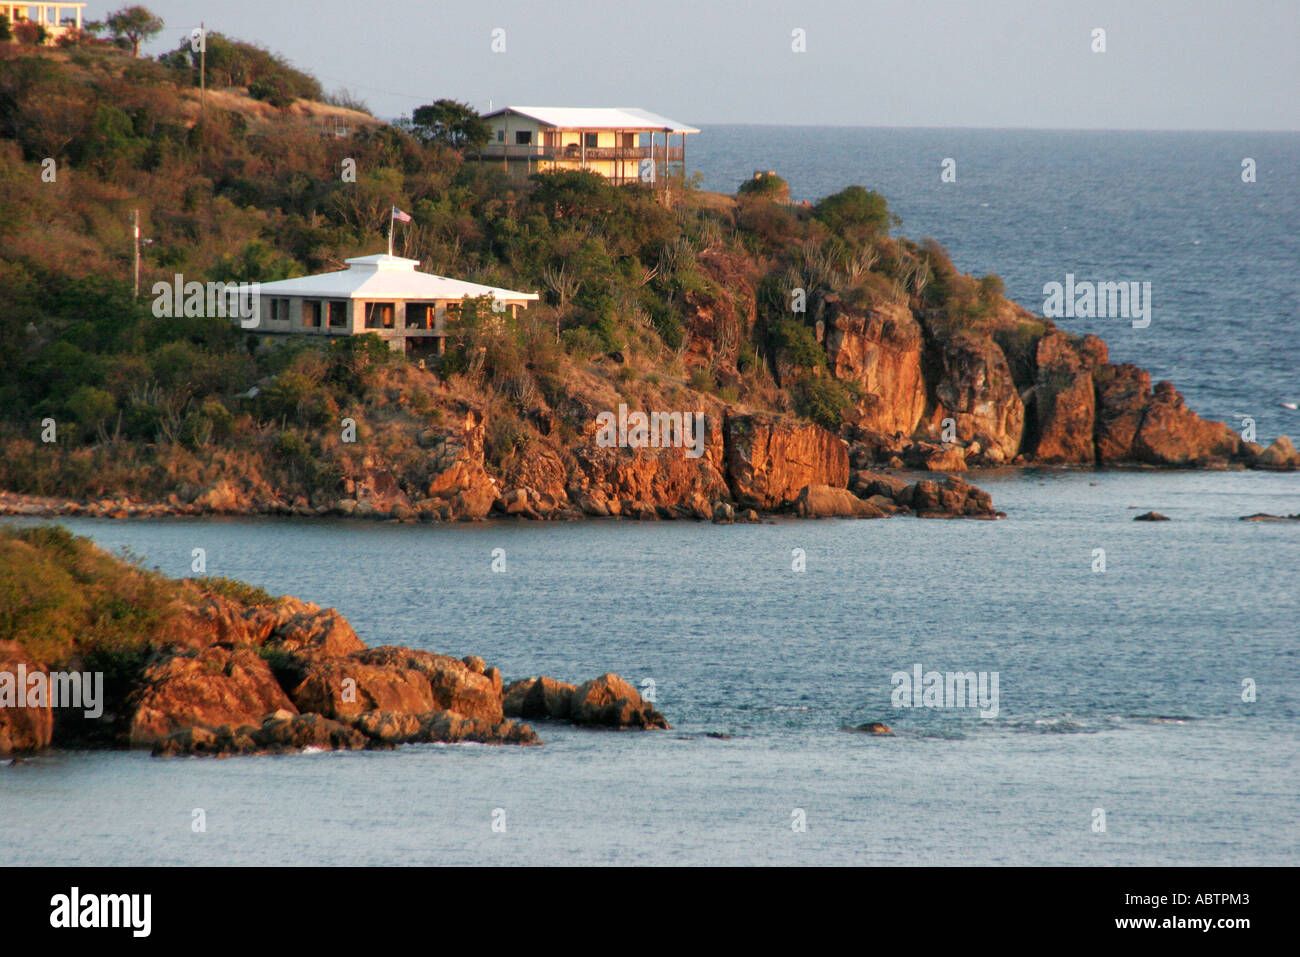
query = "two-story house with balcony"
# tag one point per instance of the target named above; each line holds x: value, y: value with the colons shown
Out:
x: 611, y: 142
x: 56, y: 18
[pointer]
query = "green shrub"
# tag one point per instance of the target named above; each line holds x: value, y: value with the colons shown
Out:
x: 796, y: 343
x: 765, y: 186
x: 856, y: 212
x: 822, y: 400
x: 235, y: 590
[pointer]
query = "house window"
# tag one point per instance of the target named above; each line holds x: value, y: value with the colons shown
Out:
x: 311, y: 314
x: 338, y: 313
x: 379, y: 315
x: 501, y: 136
x: 279, y: 310
x: 590, y: 140
x: 523, y: 137
x: 419, y: 315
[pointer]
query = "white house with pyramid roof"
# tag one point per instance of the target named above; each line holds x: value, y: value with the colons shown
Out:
x: 381, y: 294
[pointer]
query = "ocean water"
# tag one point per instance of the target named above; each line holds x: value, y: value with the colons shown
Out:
x: 1119, y: 690
x: 1169, y: 208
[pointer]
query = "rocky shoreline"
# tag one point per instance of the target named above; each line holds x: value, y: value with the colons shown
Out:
x: 869, y: 495
x: 227, y: 678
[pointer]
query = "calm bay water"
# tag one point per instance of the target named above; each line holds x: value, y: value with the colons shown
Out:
x: 1119, y: 690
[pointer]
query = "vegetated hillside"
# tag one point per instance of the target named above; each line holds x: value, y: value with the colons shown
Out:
x: 759, y: 313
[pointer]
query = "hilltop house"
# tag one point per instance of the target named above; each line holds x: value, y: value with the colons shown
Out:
x: 612, y: 142
x: 382, y: 294
x: 56, y: 18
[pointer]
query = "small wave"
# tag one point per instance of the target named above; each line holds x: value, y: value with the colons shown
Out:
x: 938, y: 735
x: 1067, y: 724
x: 1160, y: 718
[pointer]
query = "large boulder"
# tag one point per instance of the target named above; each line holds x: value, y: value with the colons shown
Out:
x: 279, y: 732
x: 26, y: 728
x: 954, y: 497
x: 215, y: 686
x: 771, y: 459
x: 388, y: 728
x: 822, y: 501
x: 609, y: 701
x: 538, y: 698
x: 450, y: 727
x: 342, y: 688
x: 401, y: 680
x: 307, y: 632
x: 469, y: 688
x: 1281, y: 455
x: 1172, y: 434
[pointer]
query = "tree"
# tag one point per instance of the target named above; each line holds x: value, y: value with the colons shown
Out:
x: 5, y: 32
x: 855, y: 212
x: 766, y: 186
x: 454, y: 124
x: 134, y: 24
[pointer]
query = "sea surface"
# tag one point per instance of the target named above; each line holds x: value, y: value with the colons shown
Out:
x: 1120, y: 692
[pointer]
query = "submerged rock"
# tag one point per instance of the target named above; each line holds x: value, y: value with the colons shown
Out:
x: 872, y: 727
x: 1151, y: 517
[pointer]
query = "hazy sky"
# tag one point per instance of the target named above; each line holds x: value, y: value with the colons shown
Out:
x: 1171, y: 64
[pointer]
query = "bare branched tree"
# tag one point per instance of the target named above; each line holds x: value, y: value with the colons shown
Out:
x: 564, y: 282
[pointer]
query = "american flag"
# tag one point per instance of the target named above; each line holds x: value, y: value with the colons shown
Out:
x: 400, y: 216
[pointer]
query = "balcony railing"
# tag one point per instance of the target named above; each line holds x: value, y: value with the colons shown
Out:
x: 574, y: 153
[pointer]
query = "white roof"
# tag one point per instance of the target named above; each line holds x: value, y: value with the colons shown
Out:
x: 597, y: 118
x: 384, y: 277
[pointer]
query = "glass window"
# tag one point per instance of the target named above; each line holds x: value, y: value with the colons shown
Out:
x: 523, y: 137
x: 338, y: 312
x: 311, y: 314
x: 590, y: 140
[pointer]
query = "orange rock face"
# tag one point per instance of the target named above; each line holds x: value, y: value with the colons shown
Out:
x: 1064, y: 403
x: 770, y: 459
x: 215, y: 686
x: 22, y: 728
x: 612, y: 702
x: 881, y: 352
x: 976, y: 390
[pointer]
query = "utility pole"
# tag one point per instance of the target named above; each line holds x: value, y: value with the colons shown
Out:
x: 203, y: 81
x: 135, y: 231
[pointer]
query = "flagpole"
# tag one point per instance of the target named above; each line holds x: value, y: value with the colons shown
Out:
x: 391, y: 218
